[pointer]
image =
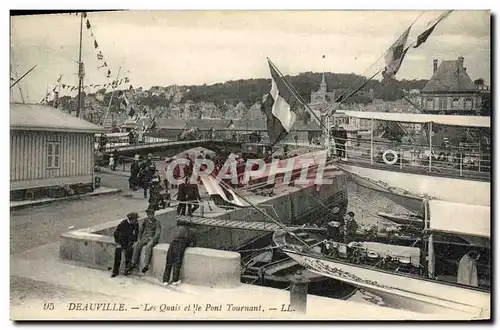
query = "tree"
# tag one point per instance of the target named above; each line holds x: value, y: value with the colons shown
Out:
x: 485, y: 105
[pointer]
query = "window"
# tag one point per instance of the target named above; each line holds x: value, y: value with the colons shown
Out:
x: 430, y: 104
x: 455, y: 103
x: 443, y: 104
x: 468, y: 103
x: 53, y: 154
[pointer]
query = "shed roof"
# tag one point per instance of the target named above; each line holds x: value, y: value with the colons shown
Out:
x: 46, y: 118
x: 450, y: 77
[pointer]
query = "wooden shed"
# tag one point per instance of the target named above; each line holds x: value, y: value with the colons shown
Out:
x: 50, y: 151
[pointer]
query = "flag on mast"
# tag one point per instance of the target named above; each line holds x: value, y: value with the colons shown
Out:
x: 395, y: 55
x: 280, y: 117
x: 424, y: 35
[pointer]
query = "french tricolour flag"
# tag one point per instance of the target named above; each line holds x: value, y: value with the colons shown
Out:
x: 280, y: 117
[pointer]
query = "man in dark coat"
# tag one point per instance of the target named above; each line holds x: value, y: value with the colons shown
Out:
x: 134, y: 172
x: 181, y: 197
x: 146, y: 173
x: 175, y: 255
x: 131, y: 137
x: 192, y: 195
x: 351, y: 227
x: 115, y: 155
x: 125, y: 236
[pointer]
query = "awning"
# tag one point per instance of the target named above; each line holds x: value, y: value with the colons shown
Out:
x: 460, y: 219
x: 466, y: 121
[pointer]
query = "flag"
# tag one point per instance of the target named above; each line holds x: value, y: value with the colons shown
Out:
x: 88, y: 24
x: 124, y: 102
x: 95, y: 44
x: 131, y: 113
x: 109, y: 73
x: 395, y: 55
x: 99, y: 56
x: 59, y: 79
x: 220, y: 194
x: 424, y: 35
x: 231, y: 124
x: 277, y: 107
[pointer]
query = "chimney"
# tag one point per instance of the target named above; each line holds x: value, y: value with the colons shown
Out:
x: 435, y: 65
x: 461, y: 61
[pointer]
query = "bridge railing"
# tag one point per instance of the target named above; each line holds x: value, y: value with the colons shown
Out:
x: 459, y: 161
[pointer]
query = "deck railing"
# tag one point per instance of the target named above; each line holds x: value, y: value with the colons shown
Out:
x: 460, y: 161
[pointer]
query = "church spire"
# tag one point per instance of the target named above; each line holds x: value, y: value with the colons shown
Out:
x: 322, y: 87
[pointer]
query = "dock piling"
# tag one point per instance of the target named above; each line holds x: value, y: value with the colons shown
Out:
x: 298, y: 292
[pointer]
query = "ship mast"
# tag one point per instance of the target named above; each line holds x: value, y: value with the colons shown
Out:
x: 80, y: 70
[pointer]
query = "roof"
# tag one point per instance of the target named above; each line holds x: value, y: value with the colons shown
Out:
x: 466, y: 121
x: 46, y: 118
x: 457, y: 218
x: 450, y: 77
x: 223, y: 124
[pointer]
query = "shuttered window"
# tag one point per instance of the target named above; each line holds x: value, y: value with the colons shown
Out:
x: 53, y: 154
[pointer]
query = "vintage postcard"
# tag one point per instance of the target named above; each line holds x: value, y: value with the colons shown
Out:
x: 250, y: 165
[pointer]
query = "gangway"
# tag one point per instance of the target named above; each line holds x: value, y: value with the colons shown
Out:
x: 222, y: 223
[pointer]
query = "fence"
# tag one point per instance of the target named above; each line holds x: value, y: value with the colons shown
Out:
x: 461, y: 161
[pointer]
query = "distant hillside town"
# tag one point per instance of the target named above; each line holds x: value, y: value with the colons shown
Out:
x: 449, y: 90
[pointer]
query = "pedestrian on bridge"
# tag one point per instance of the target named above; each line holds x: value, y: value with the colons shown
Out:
x: 149, y: 236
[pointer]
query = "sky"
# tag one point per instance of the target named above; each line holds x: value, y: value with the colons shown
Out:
x: 206, y: 47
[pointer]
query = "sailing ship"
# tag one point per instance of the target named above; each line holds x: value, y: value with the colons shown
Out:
x: 406, y: 276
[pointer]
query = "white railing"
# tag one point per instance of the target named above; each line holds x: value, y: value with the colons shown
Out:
x: 453, y: 160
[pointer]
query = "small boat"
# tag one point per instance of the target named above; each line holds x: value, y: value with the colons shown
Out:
x: 421, y: 277
x: 404, y: 219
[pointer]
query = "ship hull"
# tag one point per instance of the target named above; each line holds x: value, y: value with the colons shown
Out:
x: 401, y: 291
x: 409, y: 189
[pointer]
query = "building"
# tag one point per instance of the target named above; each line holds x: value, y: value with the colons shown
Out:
x: 450, y: 90
x: 49, y: 149
x: 322, y: 100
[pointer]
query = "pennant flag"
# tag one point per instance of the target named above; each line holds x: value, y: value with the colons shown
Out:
x: 131, y: 113
x: 109, y: 73
x: 280, y: 117
x: 99, y: 56
x: 231, y: 124
x: 424, y: 35
x: 153, y: 124
x: 127, y: 81
x: 88, y: 24
x: 59, y: 79
x: 131, y: 88
x: 63, y: 86
x: 395, y: 54
x: 84, y: 15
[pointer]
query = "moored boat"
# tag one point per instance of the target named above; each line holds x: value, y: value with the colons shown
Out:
x: 422, y: 276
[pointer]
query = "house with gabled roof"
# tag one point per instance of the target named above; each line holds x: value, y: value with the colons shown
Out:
x: 450, y: 90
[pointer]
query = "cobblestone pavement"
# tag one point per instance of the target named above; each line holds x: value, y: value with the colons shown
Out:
x: 44, y: 224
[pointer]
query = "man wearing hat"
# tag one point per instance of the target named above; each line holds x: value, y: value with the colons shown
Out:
x: 149, y: 236
x: 147, y: 170
x: 125, y: 235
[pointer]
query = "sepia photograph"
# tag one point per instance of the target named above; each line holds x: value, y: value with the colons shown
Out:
x: 173, y: 165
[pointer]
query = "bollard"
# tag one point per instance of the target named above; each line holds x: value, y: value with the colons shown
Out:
x: 298, y: 292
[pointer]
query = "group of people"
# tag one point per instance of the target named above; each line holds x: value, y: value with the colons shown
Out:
x: 132, y: 238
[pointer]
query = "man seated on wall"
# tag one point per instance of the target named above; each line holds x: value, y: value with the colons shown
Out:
x: 149, y: 236
x: 125, y: 236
